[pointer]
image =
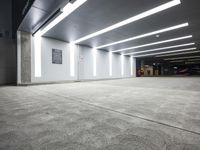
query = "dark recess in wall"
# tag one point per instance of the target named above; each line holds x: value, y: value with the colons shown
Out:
x: 19, y: 10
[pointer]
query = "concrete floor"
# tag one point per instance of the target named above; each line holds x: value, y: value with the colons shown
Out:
x: 128, y: 114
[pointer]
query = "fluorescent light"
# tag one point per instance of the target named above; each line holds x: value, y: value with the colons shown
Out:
x: 176, y: 61
x: 110, y: 63
x: 193, y: 60
x: 178, y: 54
x: 177, y: 58
x: 94, y: 62
x: 184, y: 60
x: 66, y: 11
x: 131, y: 61
x: 72, y: 61
x: 155, y: 43
x: 162, y: 48
x: 188, y: 49
x: 122, y: 65
x: 37, y: 57
x: 146, y: 35
x: 132, y: 19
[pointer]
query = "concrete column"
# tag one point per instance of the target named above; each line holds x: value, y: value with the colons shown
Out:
x: 134, y: 67
x: 25, y: 58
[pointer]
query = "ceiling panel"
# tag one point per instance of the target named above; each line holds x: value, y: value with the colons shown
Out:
x: 95, y: 15
x: 38, y: 13
x: 187, y: 12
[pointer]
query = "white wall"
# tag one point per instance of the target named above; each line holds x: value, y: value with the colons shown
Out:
x: 84, y: 58
x: 85, y: 68
x: 127, y: 66
x: 116, y: 67
x: 102, y: 65
x: 53, y: 72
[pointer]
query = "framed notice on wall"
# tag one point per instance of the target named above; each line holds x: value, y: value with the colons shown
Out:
x: 56, y: 56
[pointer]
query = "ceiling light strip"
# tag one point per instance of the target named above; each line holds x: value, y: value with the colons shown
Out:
x: 146, y: 35
x: 132, y: 19
x: 188, y: 49
x: 178, y: 54
x: 184, y: 60
x: 66, y: 11
x: 193, y: 60
x: 176, y: 61
x: 155, y: 43
x: 162, y: 48
x: 177, y: 58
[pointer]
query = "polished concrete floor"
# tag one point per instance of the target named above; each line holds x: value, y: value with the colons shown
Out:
x: 128, y: 114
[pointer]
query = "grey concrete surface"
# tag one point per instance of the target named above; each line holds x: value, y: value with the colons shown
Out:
x: 25, y: 57
x: 128, y: 114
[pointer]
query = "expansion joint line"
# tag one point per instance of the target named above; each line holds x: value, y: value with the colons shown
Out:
x: 81, y: 100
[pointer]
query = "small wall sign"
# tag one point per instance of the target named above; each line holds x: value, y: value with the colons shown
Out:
x: 56, y: 56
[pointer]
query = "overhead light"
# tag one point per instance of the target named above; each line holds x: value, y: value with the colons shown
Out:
x: 110, y: 63
x: 184, y: 60
x: 72, y: 59
x: 66, y: 11
x: 122, y: 65
x: 37, y: 56
x: 188, y: 49
x: 193, y: 60
x: 157, y: 35
x: 132, y: 19
x: 155, y: 43
x: 94, y: 62
x: 146, y: 35
x: 162, y: 48
x: 178, y: 54
x: 131, y: 61
x: 176, y: 61
x: 177, y: 58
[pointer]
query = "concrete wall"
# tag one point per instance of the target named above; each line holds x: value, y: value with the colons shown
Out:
x: 7, y: 45
x: 83, y: 63
x: 7, y: 61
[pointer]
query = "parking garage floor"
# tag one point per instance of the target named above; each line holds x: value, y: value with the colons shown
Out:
x: 126, y: 114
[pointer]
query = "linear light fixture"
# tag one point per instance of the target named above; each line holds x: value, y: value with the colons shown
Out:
x: 131, y: 61
x: 72, y: 59
x: 174, y: 51
x: 193, y: 52
x: 110, y: 63
x: 155, y: 43
x: 177, y: 58
x: 176, y: 61
x: 66, y: 11
x: 184, y: 60
x: 94, y: 62
x: 162, y: 48
x: 132, y: 19
x: 122, y: 65
x: 193, y: 60
x: 37, y: 56
x: 146, y: 35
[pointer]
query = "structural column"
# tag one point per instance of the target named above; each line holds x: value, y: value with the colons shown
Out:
x: 24, y: 58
